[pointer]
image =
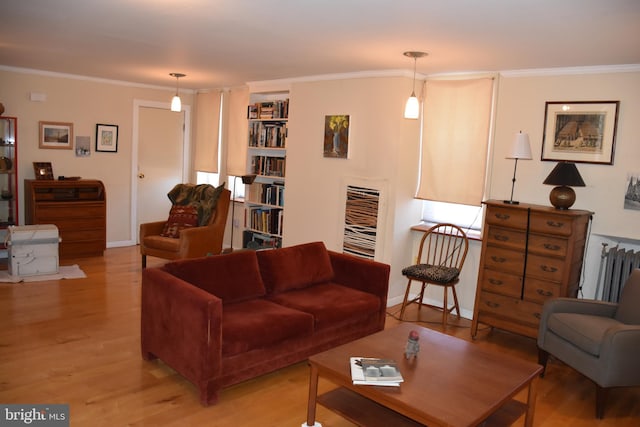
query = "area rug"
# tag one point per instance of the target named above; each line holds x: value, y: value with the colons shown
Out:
x: 64, y: 272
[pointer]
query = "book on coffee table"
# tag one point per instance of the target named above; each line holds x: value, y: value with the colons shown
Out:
x: 374, y: 371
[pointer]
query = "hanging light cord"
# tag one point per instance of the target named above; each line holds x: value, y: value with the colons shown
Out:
x: 415, y: 62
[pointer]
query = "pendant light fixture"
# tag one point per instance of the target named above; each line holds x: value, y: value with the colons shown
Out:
x: 176, y: 103
x: 412, y: 108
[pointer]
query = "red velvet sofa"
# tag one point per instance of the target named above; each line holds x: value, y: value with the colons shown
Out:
x: 224, y: 319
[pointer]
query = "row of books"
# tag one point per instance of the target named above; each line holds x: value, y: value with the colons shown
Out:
x: 266, y: 220
x: 268, y: 166
x: 270, y: 194
x: 272, y: 135
x: 374, y: 371
x: 269, y: 110
x: 258, y: 241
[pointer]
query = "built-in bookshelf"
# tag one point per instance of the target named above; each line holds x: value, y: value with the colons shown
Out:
x: 267, y: 148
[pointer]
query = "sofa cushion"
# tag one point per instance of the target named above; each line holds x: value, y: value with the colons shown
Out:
x: 330, y: 303
x: 582, y: 330
x: 259, y: 323
x: 167, y: 244
x: 295, y: 267
x: 233, y: 277
x: 180, y: 217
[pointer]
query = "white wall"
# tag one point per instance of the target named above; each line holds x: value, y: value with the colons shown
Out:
x: 384, y: 152
x: 382, y: 147
x: 84, y: 103
x: 521, y: 106
x: 385, y: 147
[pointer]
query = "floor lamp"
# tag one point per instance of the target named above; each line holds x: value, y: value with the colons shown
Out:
x: 520, y: 149
x: 248, y: 180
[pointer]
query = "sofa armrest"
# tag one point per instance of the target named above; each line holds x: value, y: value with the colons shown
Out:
x: 182, y: 325
x: 619, y: 355
x: 151, y: 229
x: 362, y: 274
x: 573, y: 305
x: 200, y: 241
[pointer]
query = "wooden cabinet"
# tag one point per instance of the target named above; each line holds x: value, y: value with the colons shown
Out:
x: 77, y: 208
x: 529, y: 254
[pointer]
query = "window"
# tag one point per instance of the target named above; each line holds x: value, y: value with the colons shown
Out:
x: 207, y: 178
x: 456, y: 132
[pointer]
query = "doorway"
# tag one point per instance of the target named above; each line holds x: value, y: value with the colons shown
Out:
x: 160, y: 160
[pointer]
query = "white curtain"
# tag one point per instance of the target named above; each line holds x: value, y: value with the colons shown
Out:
x: 457, y: 117
x: 237, y: 134
x: 207, y: 131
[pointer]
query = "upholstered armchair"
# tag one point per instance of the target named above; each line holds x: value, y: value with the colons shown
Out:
x: 600, y: 340
x: 164, y: 239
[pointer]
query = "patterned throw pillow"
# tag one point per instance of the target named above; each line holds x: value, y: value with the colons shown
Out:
x: 180, y: 217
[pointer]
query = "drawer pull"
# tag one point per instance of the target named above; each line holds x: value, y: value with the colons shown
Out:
x: 492, y: 304
x: 502, y: 216
x: 498, y: 259
x: 544, y: 293
x: 501, y: 238
x: 548, y: 269
x: 536, y: 315
x: 551, y: 247
x: 496, y: 282
x: 555, y: 224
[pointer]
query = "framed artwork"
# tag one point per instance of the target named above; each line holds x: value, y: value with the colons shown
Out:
x: 581, y: 132
x: 43, y: 170
x: 336, y: 136
x: 107, y: 138
x: 56, y: 135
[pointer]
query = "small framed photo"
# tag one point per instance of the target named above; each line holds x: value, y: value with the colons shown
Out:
x: 43, y: 170
x: 107, y: 138
x: 56, y: 135
x: 581, y: 132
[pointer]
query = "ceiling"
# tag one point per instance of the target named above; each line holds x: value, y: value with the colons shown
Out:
x: 223, y: 43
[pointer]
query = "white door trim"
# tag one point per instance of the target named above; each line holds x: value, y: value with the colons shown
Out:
x: 186, y: 150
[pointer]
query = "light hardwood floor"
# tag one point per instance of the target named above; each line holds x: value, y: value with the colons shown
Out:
x: 77, y: 342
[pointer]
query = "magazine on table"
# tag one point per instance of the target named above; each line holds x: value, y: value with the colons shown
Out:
x: 374, y: 371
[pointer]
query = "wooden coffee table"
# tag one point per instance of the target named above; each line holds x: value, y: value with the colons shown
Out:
x: 452, y: 382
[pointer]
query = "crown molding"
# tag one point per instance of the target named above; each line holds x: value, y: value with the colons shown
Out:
x: 91, y: 79
x: 596, y: 69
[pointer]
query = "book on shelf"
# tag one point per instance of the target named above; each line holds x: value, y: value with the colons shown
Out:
x: 374, y: 371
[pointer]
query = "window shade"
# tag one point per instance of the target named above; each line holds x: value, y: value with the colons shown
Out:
x: 457, y: 117
x: 207, y: 131
x: 237, y: 131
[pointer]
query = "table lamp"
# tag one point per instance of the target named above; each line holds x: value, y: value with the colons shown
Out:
x: 520, y: 149
x: 565, y: 175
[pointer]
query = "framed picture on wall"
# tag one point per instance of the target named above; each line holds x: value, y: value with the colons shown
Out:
x: 581, y: 132
x: 336, y: 136
x: 56, y: 135
x: 107, y: 138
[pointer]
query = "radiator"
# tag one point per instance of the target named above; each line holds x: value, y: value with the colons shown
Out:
x: 616, y: 263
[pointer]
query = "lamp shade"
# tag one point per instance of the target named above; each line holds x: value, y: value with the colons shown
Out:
x: 248, y: 179
x: 176, y: 104
x: 565, y: 173
x: 520, y: 148
x: 412, y: 108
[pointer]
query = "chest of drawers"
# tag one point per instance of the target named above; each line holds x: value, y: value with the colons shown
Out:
x: 529, y: 254
x: 77, y: 208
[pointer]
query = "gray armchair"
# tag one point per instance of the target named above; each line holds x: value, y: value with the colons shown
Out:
x: 600, y: 340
